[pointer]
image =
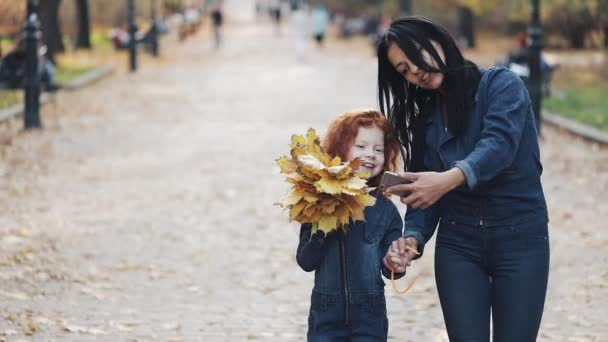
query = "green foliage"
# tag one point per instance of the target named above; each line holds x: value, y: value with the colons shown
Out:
x: 6, y: 44
x: 586, y: 104
x: 66, y: 73
x: 519, y: 10
x: 100, y: 40
x: 10, y: 97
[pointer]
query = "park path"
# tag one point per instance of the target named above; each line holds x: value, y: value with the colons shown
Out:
x: 144, y: 211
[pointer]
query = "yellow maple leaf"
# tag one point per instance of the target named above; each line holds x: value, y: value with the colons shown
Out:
x: 310, y: 163
x: 296, y: 209
x: 287, y: 165
x: 329, y: 186
x: 339, y: 171
x: 327, y: 223
x: 297, y: 140
x: 291, y: 199
x: 336, y: 161
x: 355, y: 163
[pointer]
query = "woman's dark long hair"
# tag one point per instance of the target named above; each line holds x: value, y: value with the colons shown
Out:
x: 405, y: 104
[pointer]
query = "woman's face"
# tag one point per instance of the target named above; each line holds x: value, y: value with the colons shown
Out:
x: 404, y: 66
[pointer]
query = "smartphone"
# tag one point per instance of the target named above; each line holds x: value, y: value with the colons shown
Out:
x: 389, y: 179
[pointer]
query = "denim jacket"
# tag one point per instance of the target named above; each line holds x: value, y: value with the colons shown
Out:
x: 350, y: 263
x: 498, y: 153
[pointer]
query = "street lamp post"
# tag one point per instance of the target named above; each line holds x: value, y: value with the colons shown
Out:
x: 535, y: 36
x: 31, y: 116
x: 154, y: 29
x: 132, y: 38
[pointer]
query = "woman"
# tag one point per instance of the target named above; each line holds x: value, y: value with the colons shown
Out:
x: 472, y: 151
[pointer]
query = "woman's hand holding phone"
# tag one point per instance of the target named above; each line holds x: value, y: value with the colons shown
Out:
x: 423, y: 189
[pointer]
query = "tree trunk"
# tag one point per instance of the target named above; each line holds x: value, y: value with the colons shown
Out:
x: 466, y: 29
x: 577, y: 38
x: 49, y: 23
x: 405, y: 7
x: 83, y: 40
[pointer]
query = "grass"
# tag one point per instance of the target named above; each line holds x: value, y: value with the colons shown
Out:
x: 71, y: 64
x: 10, y: 97
x: 66, y: 73
x: 587, y: 105
x: 100, y: 40
x: 581, y: 95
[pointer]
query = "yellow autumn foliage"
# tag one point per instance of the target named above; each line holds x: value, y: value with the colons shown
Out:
x: 325, y: 191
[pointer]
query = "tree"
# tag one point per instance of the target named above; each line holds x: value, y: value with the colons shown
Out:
x: 83, y: 39
x: 602, y: 13
x: 466, y: 29
x: 405, y: 7
x: 51, y: 31
x: 573, y: 23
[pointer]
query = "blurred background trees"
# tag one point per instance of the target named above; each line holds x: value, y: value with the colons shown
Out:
x: 573, y: 24
x: 568, y: 23
x: 83, y: 39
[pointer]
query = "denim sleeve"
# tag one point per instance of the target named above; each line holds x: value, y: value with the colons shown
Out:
x: 309, y: 253
x: 392, y: 233
x: 421, y: 223
x: 508, y: 104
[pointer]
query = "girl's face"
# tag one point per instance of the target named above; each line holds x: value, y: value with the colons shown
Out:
x: 369, y: 147
x: 404, y: 66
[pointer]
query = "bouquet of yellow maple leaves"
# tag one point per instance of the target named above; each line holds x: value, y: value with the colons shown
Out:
x: 325, y: 192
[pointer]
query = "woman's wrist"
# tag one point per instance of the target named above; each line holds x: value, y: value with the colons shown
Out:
x: 455, y: 178
x: 412, y: 241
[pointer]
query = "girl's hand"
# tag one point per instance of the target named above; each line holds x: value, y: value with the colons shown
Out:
x: 400, y: 254
x: 392, y: 260
x: 409, y: 249
x: 395, y: 267
x: 427, y: 187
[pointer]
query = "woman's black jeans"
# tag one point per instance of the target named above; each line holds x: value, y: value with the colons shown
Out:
x: 503, y: 270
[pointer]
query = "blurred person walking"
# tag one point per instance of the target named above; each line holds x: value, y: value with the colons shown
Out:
x: 299, y: 14
x: 217, y: 19
x: 274, y: 6
x: 320, y: 22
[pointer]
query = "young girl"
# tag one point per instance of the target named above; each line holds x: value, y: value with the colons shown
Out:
x: 347, y: 300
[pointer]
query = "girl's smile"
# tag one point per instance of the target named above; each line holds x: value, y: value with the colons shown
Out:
x: 369, y: 148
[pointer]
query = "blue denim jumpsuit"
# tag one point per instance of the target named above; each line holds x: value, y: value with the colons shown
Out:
x: 492, y: 249
x: 347, y: 301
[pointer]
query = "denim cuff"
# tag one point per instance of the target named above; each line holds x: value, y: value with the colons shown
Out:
x: 418, y: 236
x: 387, y: 273
x: 469, y: 174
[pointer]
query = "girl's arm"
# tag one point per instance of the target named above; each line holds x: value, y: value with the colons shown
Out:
x: 310, y: 248
x: 393, y: 233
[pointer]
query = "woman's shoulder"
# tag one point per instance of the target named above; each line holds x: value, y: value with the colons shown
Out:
x: 497, y: 75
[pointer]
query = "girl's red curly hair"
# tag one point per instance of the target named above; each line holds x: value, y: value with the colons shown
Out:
x: 341, y: 134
